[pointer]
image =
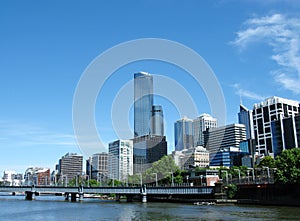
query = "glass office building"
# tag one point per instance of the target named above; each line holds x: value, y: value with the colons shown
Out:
x: 183, y: 134
x: 157, y: 121
x: 143, y: 102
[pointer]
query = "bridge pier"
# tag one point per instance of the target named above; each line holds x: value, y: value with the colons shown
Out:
x: 118, y: 196
x: 73, y: 197
x: 80, y: 196
x: 144, y: 194
x: 129, y: 198
x: 66, y: 196
x: 29, y: 195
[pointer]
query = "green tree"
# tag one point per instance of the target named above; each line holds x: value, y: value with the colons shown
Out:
x: 267, y: 161
x: 288, y: 166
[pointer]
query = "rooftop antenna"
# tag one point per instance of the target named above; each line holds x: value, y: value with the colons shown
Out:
x: 241, y: 101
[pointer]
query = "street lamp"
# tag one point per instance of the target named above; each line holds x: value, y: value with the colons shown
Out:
x: 201, y: 176
x: 172, y: 178
x: 99, y: 178
x: 141, y: 179
x: 252, y: 174
x: 239, y: 174
x: 156, y: 184
x: 268, y: 173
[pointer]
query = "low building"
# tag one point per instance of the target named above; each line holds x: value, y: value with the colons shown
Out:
x: 203, y: 177
x: 37, y: 176
x: 194, y: 157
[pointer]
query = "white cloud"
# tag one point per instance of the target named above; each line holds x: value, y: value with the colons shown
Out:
x: 247, y: 94
x: 21, y: 134
x: 282, y: 34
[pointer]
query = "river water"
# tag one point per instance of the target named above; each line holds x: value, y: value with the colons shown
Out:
x: 55, y: 208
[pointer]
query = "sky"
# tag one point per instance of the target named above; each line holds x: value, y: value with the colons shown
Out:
x: 252, y: 47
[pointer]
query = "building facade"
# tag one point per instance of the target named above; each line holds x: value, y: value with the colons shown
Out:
x: 147, y: 150
x: 99, y: 166
x: 157, y: 121
x: 70, y: 166
x: 218, y: 139
x: 285, y: 133
x: 245, y: 117
x: 143, y: 102
x: 120, y: 159
x: 194, y: 157
x: 263, y: 114
x: 200, y: 124
x: 183, y: 134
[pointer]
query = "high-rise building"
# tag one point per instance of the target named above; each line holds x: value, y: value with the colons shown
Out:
x: 183, y: 134
x: 225, y: 138
x: 157, y: 121
x: 246, y: 117
x: 99, y: 166
x: 143, y: 102
x: 70, y: 166
x: 285, y: 133
x: 263, y: 114
x: 200, y: 124
x: 147, y: 150
x: 120, y: 159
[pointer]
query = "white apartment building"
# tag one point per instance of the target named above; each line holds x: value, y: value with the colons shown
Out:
x: 120, y: 159
x: 200, y: 124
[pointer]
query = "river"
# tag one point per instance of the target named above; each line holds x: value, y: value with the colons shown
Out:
x: 55, y: 208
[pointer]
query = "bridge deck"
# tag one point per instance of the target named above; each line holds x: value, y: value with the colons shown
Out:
x: 112, y: 190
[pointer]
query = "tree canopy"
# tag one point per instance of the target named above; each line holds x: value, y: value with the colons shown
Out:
x: 288, y: 166
x: 267, y: 161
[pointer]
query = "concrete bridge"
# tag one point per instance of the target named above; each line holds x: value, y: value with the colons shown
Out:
x: 130, y: 192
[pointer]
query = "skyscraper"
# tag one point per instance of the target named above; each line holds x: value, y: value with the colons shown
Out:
x: 120, y: 159
x: 157, y: 121
x: 285, y: 133
x: 200, y: 124
x: 223, y: 139
x: 263, y: 114
x: 183, y: 134
x: 143, y: 102
x: 246, y: 118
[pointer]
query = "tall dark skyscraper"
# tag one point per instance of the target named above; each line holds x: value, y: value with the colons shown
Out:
x: 149, y: 143
x: 246, y: 118
x: 143, y: 102
x: 157, y: 121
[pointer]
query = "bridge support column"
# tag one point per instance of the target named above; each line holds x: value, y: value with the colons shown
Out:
x: 118, y: 197
x: 144, y: 194
x: 80, y: 196
x: 29, y: 195
x: 66, y: 196
x: 144, y: 197
x: 129, y: 198
x: 73, y: 197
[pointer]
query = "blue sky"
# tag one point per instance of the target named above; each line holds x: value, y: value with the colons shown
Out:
x: 45, y: 46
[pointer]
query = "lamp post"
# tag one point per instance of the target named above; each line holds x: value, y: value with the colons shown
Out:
x: 239, y: 174
x: 156, y: 184
x: 99, y: 178
x: 253, y: 176
x: 141, y: 179
x: 201, y: 176
x: 187, y: 179
x: 268, y: 173
x: 172, y: 178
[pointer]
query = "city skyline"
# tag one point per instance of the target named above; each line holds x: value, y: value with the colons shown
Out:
x: 252, y: 47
